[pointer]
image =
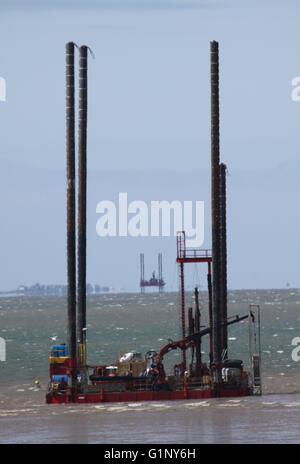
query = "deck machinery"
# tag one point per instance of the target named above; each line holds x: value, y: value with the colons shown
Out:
x: 134, y: 377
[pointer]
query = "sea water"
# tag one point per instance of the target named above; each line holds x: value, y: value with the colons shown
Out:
x: 117, y: 323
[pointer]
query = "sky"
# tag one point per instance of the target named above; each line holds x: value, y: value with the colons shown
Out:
x: 149, y: 133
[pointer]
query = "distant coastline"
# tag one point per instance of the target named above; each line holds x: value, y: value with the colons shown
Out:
x: 234, y: 295
x: 53, y: 290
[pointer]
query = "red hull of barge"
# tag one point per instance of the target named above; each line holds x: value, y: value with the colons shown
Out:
x: 125, y: 397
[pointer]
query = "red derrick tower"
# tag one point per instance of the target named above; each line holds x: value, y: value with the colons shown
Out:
x: 192, y: 255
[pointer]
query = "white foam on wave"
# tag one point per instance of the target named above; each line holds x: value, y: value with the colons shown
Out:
x: 226, y: 405
x: 15, y: 412
x: 117, y: 408
x: 160, y: 406
x: 199, y: 404
x: 70, y: 411
x: 7, y: 414
x: 292, y: 405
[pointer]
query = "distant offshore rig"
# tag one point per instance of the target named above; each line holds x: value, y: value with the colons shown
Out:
x: 153, y: 281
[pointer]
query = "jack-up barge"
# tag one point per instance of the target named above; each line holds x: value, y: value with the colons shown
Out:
x: 134, y: 377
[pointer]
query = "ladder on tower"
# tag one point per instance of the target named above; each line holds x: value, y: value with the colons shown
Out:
x: 255, y: 349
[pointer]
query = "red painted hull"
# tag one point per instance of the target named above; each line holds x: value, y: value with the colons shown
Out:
x: 125, y: 397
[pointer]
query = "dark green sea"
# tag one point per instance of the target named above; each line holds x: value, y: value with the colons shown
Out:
x: 132, y: 321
